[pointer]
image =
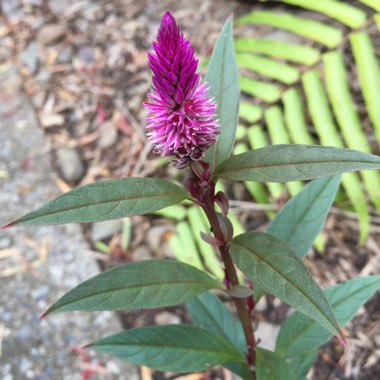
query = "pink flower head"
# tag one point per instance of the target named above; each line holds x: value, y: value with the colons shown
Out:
x: 181, y: 119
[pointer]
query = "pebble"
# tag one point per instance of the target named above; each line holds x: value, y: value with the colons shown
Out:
x: 142, y: 253
x: 106, y: 229
x: 154, y: 237
x: 108, y: 134
x: 25, y: 365
x: 7, y: 316
x: 166, y: 318
x: 70, y: 164
x: 50, y: 34
x: 29, y: 57
x: 65, y: 56
x: 44, y: 76
x: 40, y: 293
x: 51, y: 120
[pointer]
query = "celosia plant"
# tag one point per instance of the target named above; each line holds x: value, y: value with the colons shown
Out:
x: 194, y: 122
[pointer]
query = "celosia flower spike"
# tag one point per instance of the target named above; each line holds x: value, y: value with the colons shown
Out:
x: 181, y: 119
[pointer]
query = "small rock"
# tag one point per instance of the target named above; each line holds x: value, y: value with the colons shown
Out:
x: 65, y: 56
x: 155, y: 236
x: 7, y: 316
x: 142, y: 253
x: 40, y: 293
x: 106, y: 229
x: 108, y: 135
x: 39, y: 99
x: 50, y: 34
x: 44, y: 76
x: 29, y: 57
x: 24, y: 365
x: 86, y: 55
x: 113, y: 367
x: 51, y: 120
x: 70, y: 164
x: 166, y: 318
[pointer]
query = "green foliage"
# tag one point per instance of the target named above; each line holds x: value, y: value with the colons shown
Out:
x: 302, y: 363
x: 284, y: 163
x: 209, y: 312
x: 300, y: 334
x: 222, y: 77
x: 270, y: 366
x: 320, y: 106
x: 271, y: 264
x: 145, y: 284
x: 177, y: 348
x: 303, y: 217
x: 106, y: 200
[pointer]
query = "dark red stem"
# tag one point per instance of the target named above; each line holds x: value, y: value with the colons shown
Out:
x: 232, y: 279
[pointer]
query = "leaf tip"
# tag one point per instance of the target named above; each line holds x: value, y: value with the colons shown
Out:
x: 342, y: 339
x: 7, y: 226
x: 45, y: 314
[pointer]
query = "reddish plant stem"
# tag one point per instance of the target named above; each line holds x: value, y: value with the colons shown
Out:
x: 232, y: 279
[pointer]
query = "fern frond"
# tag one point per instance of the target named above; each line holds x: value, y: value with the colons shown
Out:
x: 316, y: 31
x: 302, y: 91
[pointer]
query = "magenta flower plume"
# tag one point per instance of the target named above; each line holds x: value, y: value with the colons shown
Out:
x: 182, y: 119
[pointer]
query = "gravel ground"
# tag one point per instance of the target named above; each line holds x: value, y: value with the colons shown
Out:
x: 39, y: 264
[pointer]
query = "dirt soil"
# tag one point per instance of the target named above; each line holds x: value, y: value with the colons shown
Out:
x: 84, y: 66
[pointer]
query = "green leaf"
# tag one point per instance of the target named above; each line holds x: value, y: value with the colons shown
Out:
x: 273, y: 266
x: 144, y: 284
x: 302, y: 363
x: 369, y: 75
x: 250, y: 112
x: 223, y: 78
x: 295, y: 118
x: 113, y: 199
x: 266, y: 91
x: 328, y: 133
x: 372, y: 3
x: 175, y: 212
x: 270, y: 366
x: 306, y: 55
x: 347, y: 117
x: 345, y: 13
x: 198, y: 223
x: 183, y: 246
x: 284, y: 163
x: 302, y: 218
x: 175, y: 348
x: 317, y: 31
x: 300, y: 334
x: 258, y: 139
x: 210, y: 313
x: 278, y: 134
x: 256, y: 189
x: 268, y: 67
